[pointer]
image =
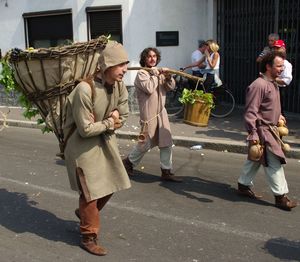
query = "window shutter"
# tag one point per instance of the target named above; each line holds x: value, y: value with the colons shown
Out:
x: 105, y: 22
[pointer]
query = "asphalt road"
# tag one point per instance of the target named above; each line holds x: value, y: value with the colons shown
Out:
x: 201, y: 219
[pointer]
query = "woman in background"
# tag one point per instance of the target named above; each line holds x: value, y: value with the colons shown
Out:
x: 212, y: 61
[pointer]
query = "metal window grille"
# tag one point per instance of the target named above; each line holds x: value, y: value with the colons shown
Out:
x: 243, y: 28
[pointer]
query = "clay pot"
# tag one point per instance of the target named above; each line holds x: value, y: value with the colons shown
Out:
x: 142, y: 137
x: 283, y: 131
x: 255, y: 152
x: 286, y: 148
x: 280, y: 122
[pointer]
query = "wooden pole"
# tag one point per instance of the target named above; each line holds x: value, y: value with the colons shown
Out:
x: 172, y: 71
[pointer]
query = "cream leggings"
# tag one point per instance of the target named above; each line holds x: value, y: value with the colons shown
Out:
x: 140, y: 150
x: 274, y: 173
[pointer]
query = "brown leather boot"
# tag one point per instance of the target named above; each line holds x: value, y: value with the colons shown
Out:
x: 247, y: 192
x: 89, y: 243
x: 128, y: 166
x: 100, y: 204
x: 166, y: 175
x: 283, y: 202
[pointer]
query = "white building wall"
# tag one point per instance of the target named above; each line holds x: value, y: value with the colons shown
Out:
x: 194, y: 19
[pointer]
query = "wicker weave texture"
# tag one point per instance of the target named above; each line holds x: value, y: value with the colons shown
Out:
x: 47, y: 76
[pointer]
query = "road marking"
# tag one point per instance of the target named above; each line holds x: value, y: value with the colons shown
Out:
x: 163, y: 216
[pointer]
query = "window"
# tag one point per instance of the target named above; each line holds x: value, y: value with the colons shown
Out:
x: 167, y: 38
x: 47, y: 29
x: 105, y: 21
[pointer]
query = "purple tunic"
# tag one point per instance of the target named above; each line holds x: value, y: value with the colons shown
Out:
x: 263, y: 102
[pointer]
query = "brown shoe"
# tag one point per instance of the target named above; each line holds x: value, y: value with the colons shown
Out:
x: 166, y: 175
x: 89, y: 243
x: 247, y: 192
x: 128, y: 166
x: 283, y: 202
x: 77, y: 213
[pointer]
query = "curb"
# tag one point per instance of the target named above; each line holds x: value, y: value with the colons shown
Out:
x: 216, y: 144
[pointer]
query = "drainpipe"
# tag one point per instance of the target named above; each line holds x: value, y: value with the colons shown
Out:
x: 212, y: 19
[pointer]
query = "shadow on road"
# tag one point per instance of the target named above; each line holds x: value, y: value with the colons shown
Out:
x: 192, y: 186
x: 209, y: 188
x: 283, y: 249
x: 146, y: 178
x: 20, y: 215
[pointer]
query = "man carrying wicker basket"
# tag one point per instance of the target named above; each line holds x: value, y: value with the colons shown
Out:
x: 94, y: 109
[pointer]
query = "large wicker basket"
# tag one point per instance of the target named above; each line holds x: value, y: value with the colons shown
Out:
x: 47, y: 76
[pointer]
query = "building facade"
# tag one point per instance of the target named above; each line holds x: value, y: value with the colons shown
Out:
x: 173, y: 26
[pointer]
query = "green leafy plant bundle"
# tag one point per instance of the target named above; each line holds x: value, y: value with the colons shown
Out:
x: 191, y: 96
x: 7, y: 80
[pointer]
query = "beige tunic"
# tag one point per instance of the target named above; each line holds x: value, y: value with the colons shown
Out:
x: 91, y: 147
x: 151, y: 93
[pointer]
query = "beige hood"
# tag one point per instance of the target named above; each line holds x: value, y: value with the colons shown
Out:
x: 113, y: 54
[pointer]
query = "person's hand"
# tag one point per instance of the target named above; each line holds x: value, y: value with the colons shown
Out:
x: 282, y: 119
x: 154, y: 71
x: 206, y: 53
x: 117, y: 123
x: 115, y: 114
x: 165, y: 72
x: 253, y: 142
x: 111, y: 126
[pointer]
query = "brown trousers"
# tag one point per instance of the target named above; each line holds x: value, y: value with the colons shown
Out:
x: 89, y: 214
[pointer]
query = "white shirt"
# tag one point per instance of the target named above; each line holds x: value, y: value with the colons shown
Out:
x: 286, y: 75
x: 217, y: 66
x: 196, y: 56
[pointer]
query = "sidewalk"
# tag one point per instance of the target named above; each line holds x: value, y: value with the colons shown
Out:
x: 222, y: 134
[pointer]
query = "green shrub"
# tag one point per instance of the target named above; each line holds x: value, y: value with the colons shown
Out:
x: 7, y: 80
